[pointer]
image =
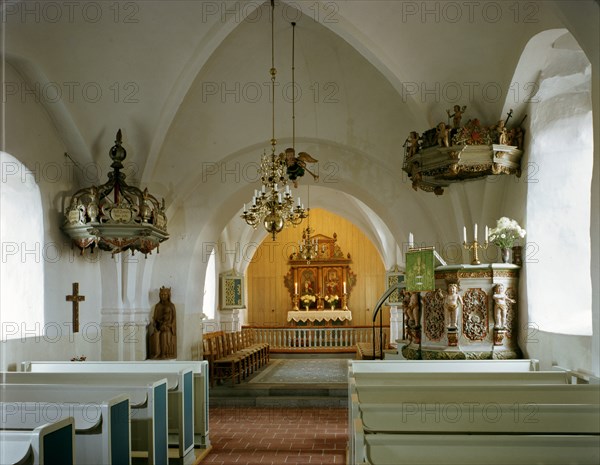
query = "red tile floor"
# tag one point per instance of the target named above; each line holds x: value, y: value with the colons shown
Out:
x: 277, y: 436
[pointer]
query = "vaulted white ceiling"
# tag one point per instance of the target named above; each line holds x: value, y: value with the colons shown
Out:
x: 187, y: 81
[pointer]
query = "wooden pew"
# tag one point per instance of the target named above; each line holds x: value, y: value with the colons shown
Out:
x: 466, y: 379
x: 438, y: 402
x: 147, y: 400
x: 102, y: 429
x: 181, y: 386
x: 201, y: 399
x: 233, y: 355
x: 473, y: 449
x: 49, y: 444
x: 442, y: 366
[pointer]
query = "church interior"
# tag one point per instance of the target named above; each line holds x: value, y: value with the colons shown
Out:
x: 182, y: 105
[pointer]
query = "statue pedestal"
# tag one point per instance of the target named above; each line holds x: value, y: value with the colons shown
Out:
x: 476, y: 336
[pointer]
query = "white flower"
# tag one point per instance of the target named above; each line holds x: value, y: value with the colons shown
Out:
x: 505, y: 232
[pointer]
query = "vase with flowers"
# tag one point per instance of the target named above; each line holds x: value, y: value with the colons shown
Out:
x: 332, y: 300
x: 307, y: 299
x: 504, y: 235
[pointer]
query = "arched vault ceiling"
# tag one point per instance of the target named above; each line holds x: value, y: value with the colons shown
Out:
x: 370, y: 71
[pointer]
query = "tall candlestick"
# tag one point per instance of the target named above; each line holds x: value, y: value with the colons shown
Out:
x: 475, y: 232
x: 464, y: 234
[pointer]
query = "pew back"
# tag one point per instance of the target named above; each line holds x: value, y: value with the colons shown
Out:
x: 48, y: 444
x: 180, y: 383
x: 149, y: 432
x: 102, y: 429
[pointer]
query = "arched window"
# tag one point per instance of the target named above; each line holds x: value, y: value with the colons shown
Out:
x: 559, y: 289
x: 22, y: 267
x: 210, y: 287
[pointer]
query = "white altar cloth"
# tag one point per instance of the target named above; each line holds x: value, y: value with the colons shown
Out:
x: 319, y: 315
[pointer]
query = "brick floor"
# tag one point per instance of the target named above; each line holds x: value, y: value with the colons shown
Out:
x: 277, y: 436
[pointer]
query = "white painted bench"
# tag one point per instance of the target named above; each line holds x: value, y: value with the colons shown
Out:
x: 446, y: 401
x: 148, y: 408
x: 180, y: 394
x: 49, y: 444
x: 102, y: 429
x: 442, y: 366
x: 473, y: 449
x: 466, y: 379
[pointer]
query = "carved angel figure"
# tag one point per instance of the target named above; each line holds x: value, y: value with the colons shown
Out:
x: 451, y: 302
x: 296, y: 166
x: 500, y: 306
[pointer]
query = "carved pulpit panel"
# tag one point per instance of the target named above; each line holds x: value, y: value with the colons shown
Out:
x: 327, y: 277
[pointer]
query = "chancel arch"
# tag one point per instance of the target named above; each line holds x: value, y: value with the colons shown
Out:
x: 268, y: 298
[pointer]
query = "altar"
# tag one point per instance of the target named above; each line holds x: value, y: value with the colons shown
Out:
x: 312, y: 316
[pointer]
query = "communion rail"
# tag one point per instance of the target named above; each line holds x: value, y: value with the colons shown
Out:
x: 315, y: 339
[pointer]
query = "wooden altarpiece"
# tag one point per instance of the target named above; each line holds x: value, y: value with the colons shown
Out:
x: 328, y: 274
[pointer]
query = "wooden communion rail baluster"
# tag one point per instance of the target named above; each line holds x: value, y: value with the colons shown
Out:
x: 288, y: 339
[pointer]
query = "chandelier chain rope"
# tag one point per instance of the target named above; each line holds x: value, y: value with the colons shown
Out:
x: 273, y: 204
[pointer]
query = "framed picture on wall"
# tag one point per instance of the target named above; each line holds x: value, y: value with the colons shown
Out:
x: 232, y: 290
x: 392, y: 278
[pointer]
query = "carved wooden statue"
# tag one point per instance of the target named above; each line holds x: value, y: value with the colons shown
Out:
x: 451, y: 302
x: 163, y: 329
x: 500, y: 306
x: 410, y: 305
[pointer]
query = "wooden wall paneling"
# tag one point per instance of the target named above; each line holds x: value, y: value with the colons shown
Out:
x: 265, y: 275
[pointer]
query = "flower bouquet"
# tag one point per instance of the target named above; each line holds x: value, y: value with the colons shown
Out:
x: 504, y: 235
x: 331, y: 300
x: 307, y: 299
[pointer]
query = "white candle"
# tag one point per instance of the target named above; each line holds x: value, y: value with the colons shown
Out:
x: 295, y: 288
x: 464, y: 234
x: 298, y: 204
x: 411, y: 242
x: 486, y: 233
x: 245, y: 208
x: 475, y: 232
x: 344, y: 287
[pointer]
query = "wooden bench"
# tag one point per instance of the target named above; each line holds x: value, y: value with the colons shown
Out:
x: 180, y: 384
x: 147, y: 400
x: 472, y: 449
x: 442, y: 366
x: 401, y: 413
x: 102, y: 429
x: 233, y: 355
x: 458, y: 379
x: 366, y: 350
x: 49, y: 444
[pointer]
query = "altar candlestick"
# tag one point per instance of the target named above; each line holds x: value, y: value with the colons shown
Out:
x: 464, y: 234
x: 475, y: 232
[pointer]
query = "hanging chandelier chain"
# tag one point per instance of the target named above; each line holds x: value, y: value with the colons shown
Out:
x: 273, y: 73
x: 293, y: 87
x: 270, y: 206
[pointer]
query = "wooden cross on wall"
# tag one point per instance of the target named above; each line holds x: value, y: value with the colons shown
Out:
x: 75, y: 298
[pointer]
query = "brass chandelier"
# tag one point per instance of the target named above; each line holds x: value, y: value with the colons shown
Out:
x: 116, y: 216
x: 273, y: 204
